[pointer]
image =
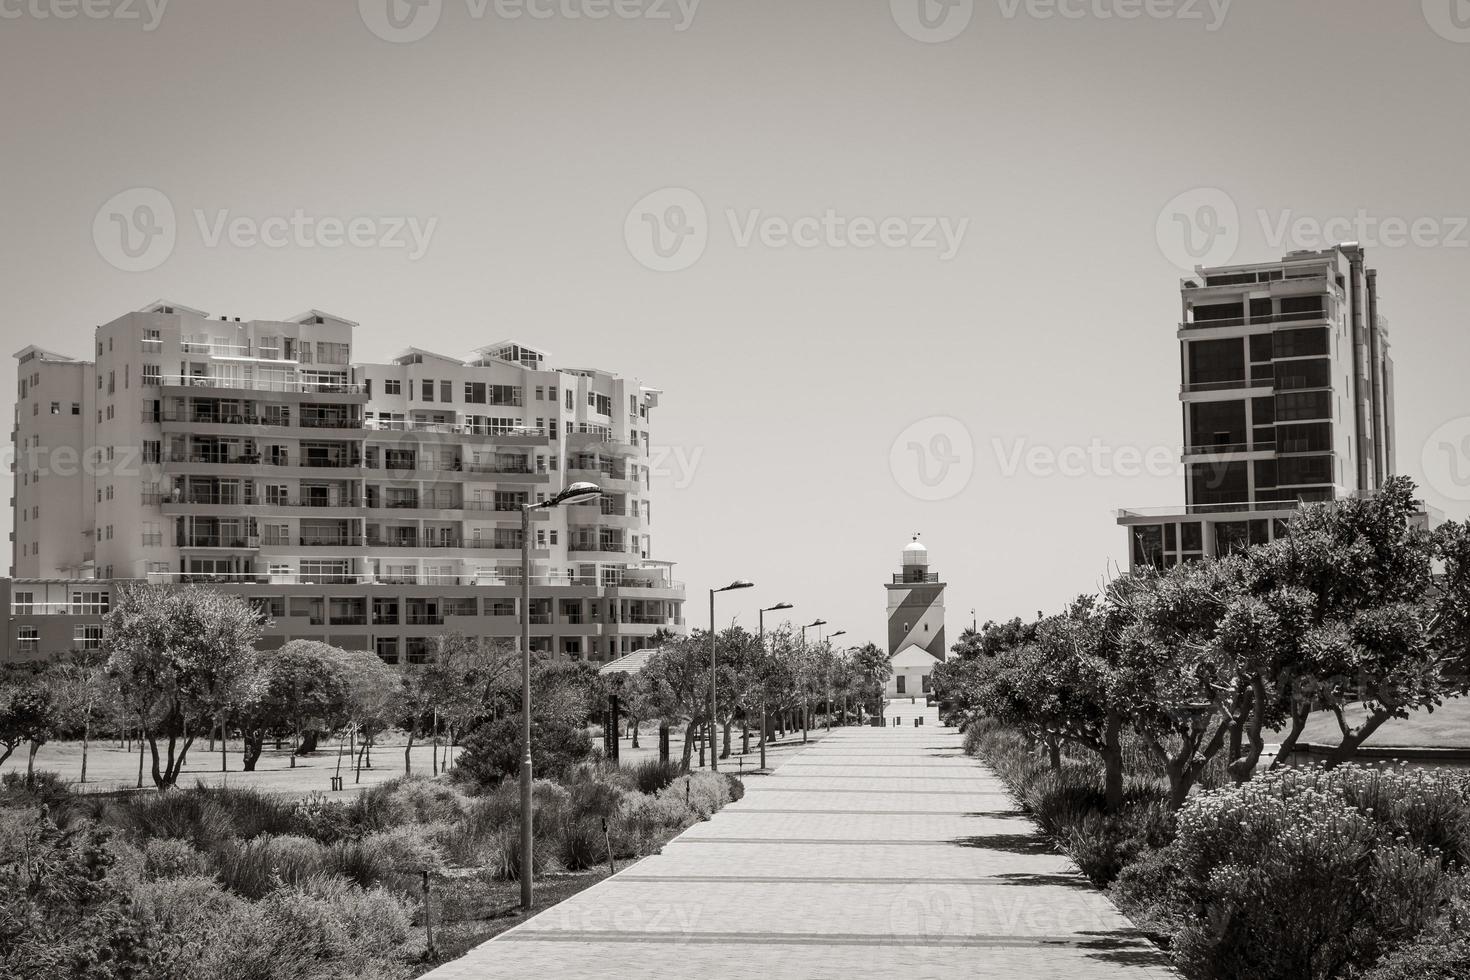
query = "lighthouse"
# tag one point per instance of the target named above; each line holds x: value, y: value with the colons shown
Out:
x: 916, y: 605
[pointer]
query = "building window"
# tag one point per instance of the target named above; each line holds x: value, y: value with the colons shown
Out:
x: 56, y: 408
x: 22, y: 603
x: 392, y: 386
x: 87, y: 637
x: 426, y: 390
x: 27, y: 639
x: 446, y: 391
x: 902, y: 683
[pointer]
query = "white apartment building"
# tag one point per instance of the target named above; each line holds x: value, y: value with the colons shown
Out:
x: 360, y: 499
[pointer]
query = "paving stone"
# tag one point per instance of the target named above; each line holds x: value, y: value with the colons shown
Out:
x: 875, y: 852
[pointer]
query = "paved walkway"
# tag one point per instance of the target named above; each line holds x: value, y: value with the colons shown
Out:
x: 876, y: 853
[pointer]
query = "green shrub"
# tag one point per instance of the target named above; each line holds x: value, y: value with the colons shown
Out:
x: 492, y: 751
x: 737, y: 788
x: 173, y: 859
x: 645, y: 822
x: 356, y: 861
x: 580, y: 844
x: 324, y: 929
x: 192, y: 912
x: 62, y: 913
x: 252, y: 812
x: 702, y: 793
x: 183, y: 814
x: 1288, y: 880
x: 256, y: 867
x: 1441, y: 952
x: 651, y: 775
x: 407, y: 850
x: 322, y: 819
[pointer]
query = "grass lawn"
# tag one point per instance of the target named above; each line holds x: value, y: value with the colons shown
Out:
x: 111, y: 768
x: 1447, y: 727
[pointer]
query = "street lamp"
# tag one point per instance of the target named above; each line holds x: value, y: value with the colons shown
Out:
x: 576, y: 493
x: 762, y: 619
x: 806, y: 718
x: 830, y: 637
x: 714, y: 757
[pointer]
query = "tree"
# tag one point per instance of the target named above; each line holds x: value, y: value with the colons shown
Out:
x: 1364, y: 623
x: 297, y: 688
x: 872, y: 668
x: 181, y: 658
x: 27, y: 714
x: 369, y: 691
x: 80, y: 690
x: 677, y: 681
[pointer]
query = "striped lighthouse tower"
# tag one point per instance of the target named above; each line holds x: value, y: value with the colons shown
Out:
x: 916, y: 605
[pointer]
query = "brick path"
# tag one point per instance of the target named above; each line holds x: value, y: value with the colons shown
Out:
x: 875, y: 853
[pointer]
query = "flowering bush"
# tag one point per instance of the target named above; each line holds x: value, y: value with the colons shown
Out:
x: 1294, y: 876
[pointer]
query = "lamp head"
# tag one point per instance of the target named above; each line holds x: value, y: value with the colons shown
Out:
x: 576, y: 493
x: 737, y: 584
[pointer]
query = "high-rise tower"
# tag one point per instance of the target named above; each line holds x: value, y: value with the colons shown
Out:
x: 916, y: 604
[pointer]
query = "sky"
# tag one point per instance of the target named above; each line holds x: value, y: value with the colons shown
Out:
x: 899, y: 266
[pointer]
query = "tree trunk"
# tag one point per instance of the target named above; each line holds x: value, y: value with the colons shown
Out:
x: 744, y: 737
x: 725, y: 746
x: 1113, y: 765
x: 1352, y: 740
x: 140, y: 758
x: 309, y: 739
x: 254, y: 745
x: 663, y: 742
x: 1299, y: 717
x: 689, y: 737
x: 31, y: 763
x: 407, y: 765
x: 633, y: 731
x: 86, y: 735
x: 224, y: 758
x: 1054, y: 752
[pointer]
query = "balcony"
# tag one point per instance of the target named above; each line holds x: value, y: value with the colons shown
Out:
x: 1306, y: 316
x: 253, y: 384
x: 1227, y: 385
x: 246, y: 418
x: 227, y: 542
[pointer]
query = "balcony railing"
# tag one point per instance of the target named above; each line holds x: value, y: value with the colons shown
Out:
x: 246, y: 418
x: 1260, y: 321
x: 1227, y: 385
x: 504, y: 580
x: 236, y: 542
x: 455, y: 428
x: 256, y: 459
x: 254, y: 384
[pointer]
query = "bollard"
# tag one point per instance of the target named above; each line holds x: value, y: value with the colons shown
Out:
x: 428, y: 919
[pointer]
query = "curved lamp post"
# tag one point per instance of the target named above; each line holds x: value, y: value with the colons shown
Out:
x: 762, y: 620
x: 714, y: 756
x: 575, y: 494
x: 828, y: 638
x: 806, y: 718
